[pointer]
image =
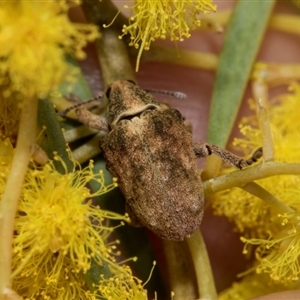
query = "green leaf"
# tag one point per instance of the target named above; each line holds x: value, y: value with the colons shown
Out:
x: 52, y: 140
x: 242, y: 41
x: 80, y: 88
x: 93, y: 275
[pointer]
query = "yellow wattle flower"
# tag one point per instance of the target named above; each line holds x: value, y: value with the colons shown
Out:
x: 276, y: 236
x: 254, y: 285
x: 59, y: 232
x: 249, y: 213
x: 122, y: 286
x: 37, y: 36
x: 157, y: 19
x: 279, y: 254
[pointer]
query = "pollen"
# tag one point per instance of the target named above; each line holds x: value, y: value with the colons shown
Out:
x: 59, y: 231
x: 248, y: 212
x: 275, y: 236
x: 123, y: 286
x: 37, y: 36
x: 156, y: 19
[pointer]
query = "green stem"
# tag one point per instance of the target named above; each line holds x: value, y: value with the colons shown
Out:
x: 258, y: 191
x: 242, y: 177
x: 78, y: 132
x: 188, y: 58
x: 275, y: 73
x: 264, y: 124
x: 286, y: 23
x: 179, y: 270
x: 205, y: 280
x: 88, y: 150
x: 113, y: 57
x: 12, y: 190
x: 112, y: 52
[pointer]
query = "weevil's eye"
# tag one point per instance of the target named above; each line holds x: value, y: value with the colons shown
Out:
x: 131, y: 81
x: 107, y: 93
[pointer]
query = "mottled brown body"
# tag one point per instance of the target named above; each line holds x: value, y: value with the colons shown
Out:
x: 149, y: 149
x: 152, y: 157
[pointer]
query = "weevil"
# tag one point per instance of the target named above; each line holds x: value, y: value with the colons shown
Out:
x: 149, y: 149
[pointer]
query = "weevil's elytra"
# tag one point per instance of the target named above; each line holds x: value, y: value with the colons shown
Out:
x: 166, y: 194
x: 149, y: 148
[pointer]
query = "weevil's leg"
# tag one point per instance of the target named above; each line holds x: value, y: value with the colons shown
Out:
x: 91, y: 120
x: 78, y: 102
x: 134, y: 221
x: 83, y: 115
x: 204, y: 149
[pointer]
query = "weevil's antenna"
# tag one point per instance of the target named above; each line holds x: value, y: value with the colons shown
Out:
x: 178, y: 95
x: 62, y: 113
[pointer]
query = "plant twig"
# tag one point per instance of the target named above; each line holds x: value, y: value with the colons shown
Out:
x: 189, y: 58
x: 12, y: 191
x: 88, y: 150
x: 113, y: 57
x: 78, y: 132
x: 258, y: 191
x: 179, y: 270
x: 241, y: 177
x: 205, y: 280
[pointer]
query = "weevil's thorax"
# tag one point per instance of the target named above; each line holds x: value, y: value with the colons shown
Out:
x: 127, y: 100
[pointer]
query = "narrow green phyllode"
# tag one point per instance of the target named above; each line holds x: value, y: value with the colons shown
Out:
x: 242, y: 41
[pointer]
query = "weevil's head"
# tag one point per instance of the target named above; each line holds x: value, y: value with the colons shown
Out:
x: 126, y: 100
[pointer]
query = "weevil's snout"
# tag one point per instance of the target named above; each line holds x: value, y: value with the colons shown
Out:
x: 126, y: 99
